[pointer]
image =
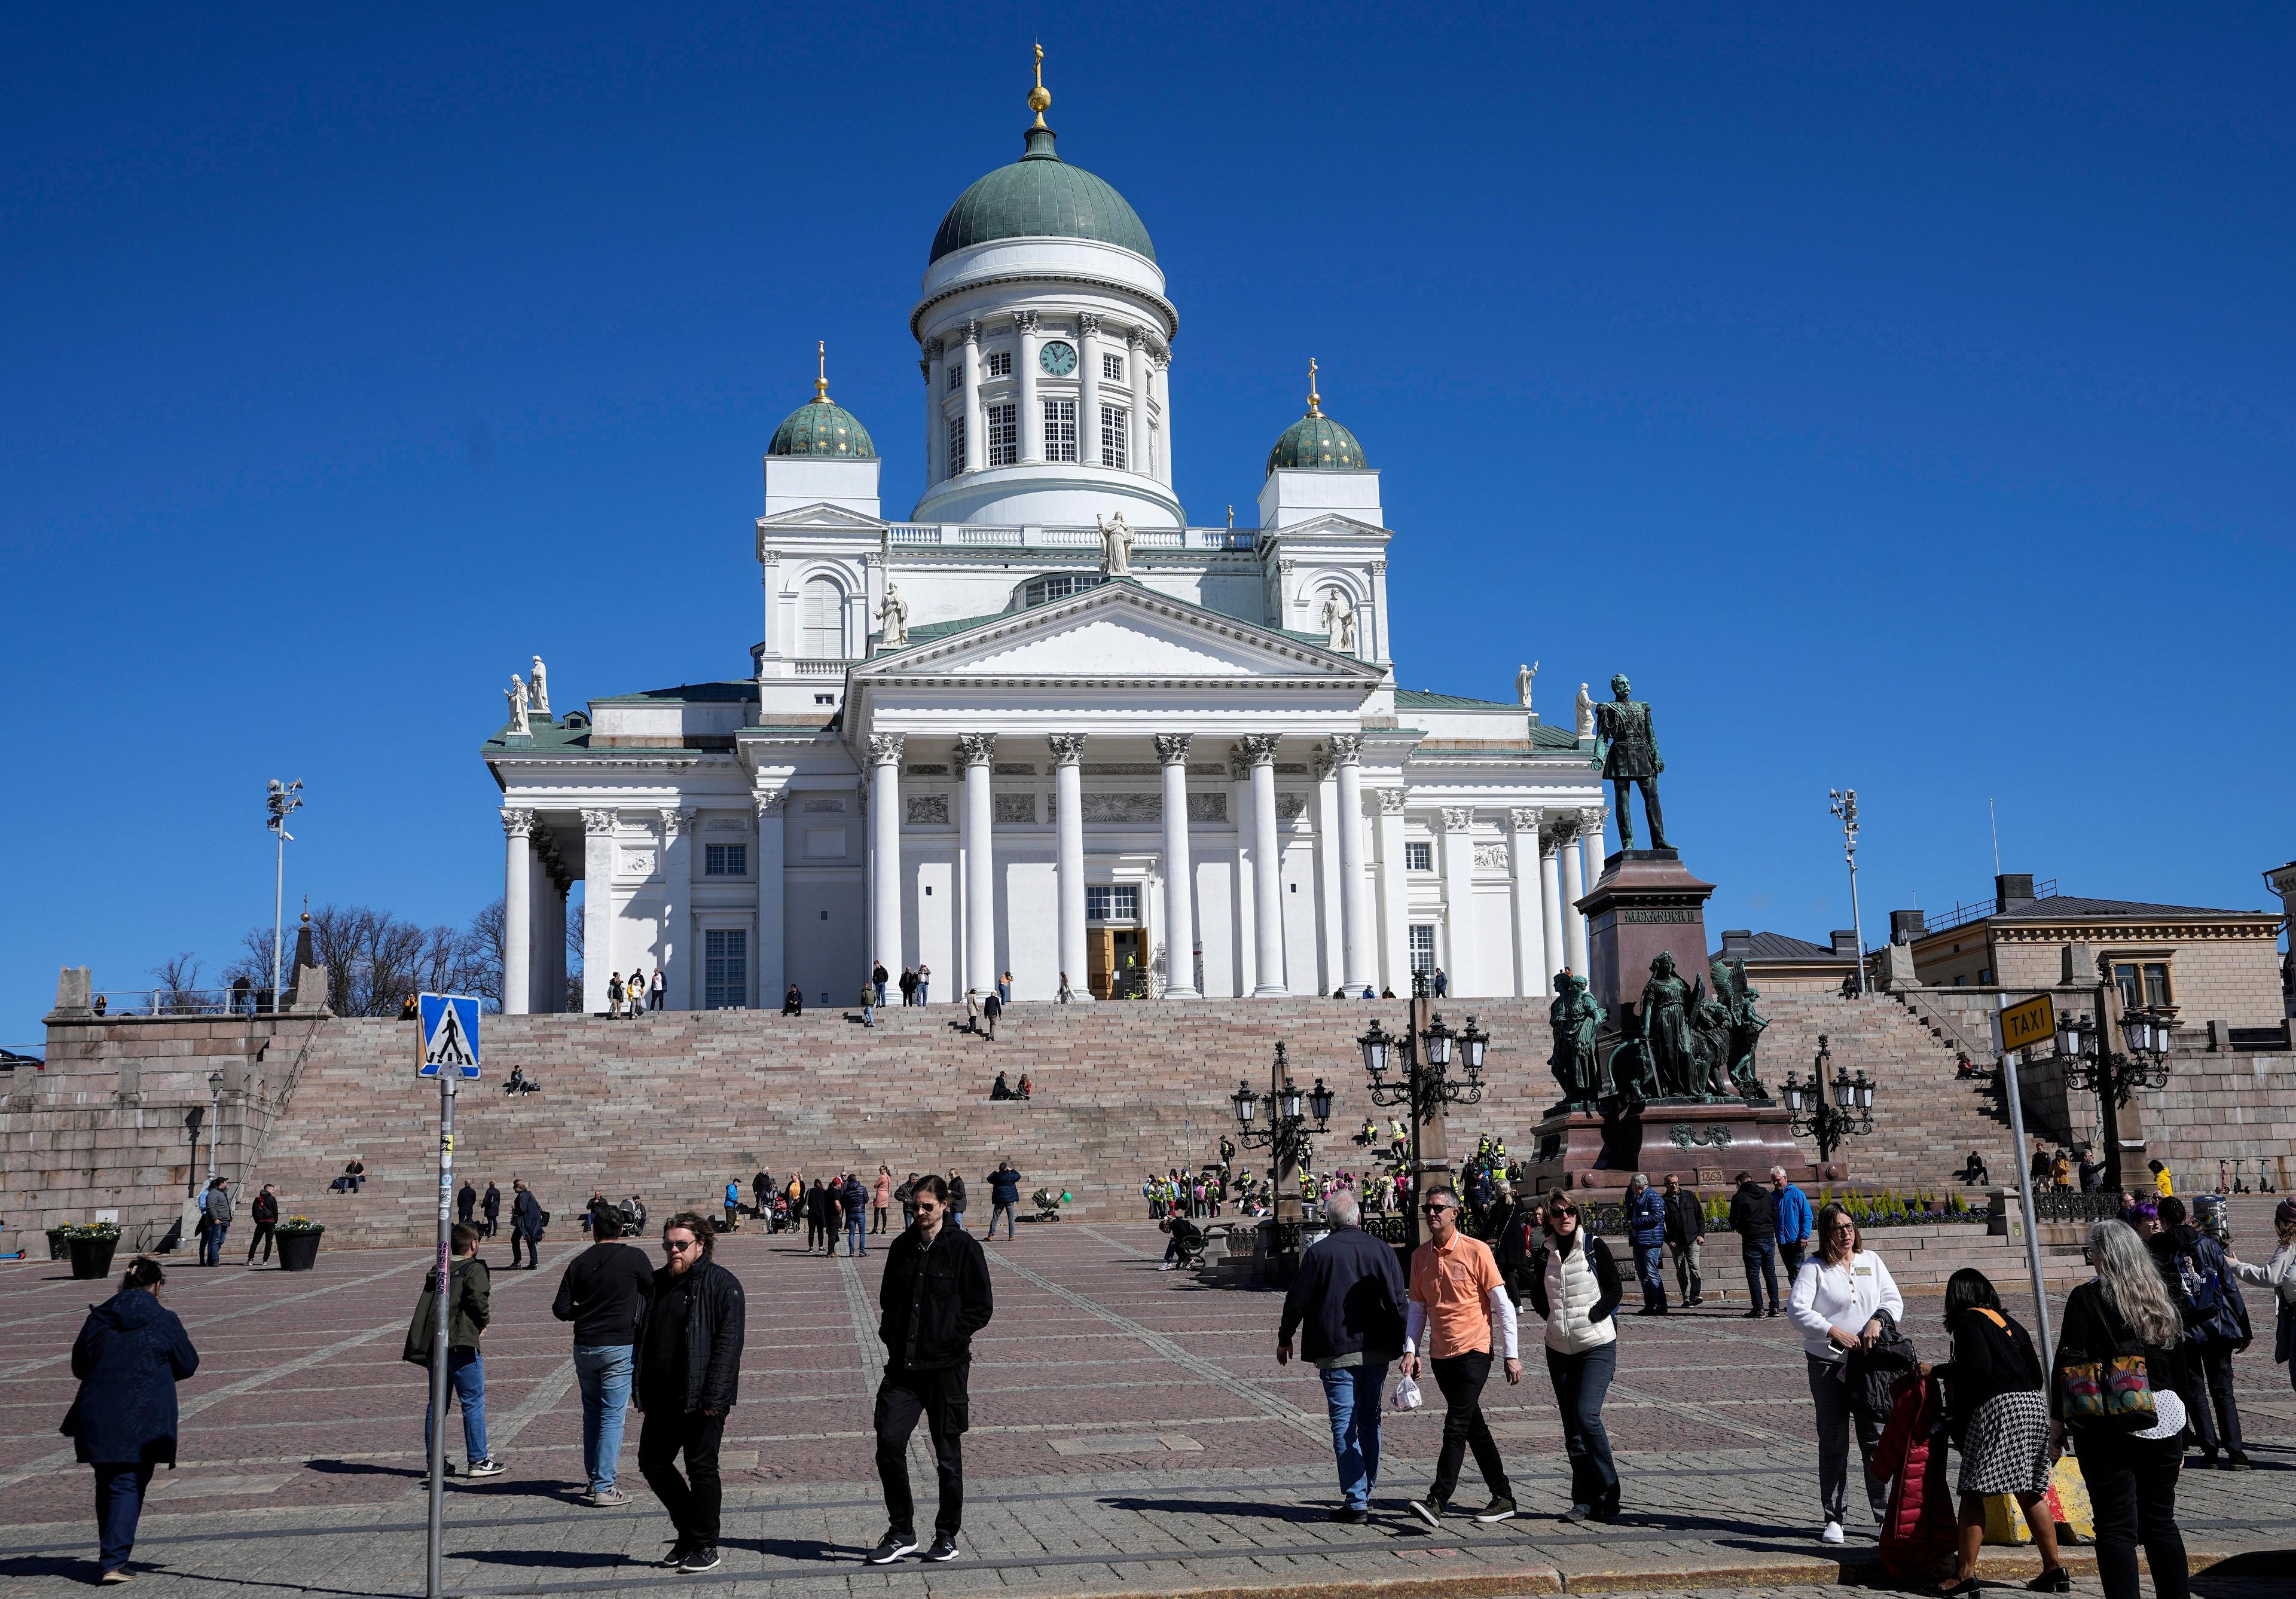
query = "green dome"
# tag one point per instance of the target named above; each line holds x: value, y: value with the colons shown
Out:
x: 822, y: 427
x: 1316, y: 443
x: 1040, y: 196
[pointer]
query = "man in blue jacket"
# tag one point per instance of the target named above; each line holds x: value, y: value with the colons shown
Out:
x: 1004, y: 1197
x: 1790, y: 1208
x: 1350, y: 1293
x: 1646, y: 1231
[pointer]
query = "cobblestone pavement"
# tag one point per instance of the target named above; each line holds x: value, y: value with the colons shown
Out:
x: 1132, y: 1434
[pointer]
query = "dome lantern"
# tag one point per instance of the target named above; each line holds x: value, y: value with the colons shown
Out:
x: 1316, y: 443
x: 821, y: 426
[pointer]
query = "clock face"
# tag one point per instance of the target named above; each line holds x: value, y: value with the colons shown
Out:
x: 1059, y: 358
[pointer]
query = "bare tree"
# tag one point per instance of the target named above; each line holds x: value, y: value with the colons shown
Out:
x: 374, y: 960
x: 178, y: 979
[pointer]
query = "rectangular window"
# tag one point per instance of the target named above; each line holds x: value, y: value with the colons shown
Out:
x: 955, y: 377
x: 1060, y: 429
x: 956, y: 444
x: 725, y: 860
x: 1000, y: 364
x: 725, y: 969
x: 1111, y: 367
x: 1116, y: 902
x: 1115, y: 436
x: 1422, y: 946
x: 1003, y: 435
x: 2142, y: 984
x: 1419, y: 858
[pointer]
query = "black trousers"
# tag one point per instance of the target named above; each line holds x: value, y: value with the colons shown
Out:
x: 942, y: 1398
x: 262, y: 1236
x: 1460, y: 1378
x: 694, y: 1498
x: 2132, y: 1486
x: 533, y: 1242
x: 2208, y: 1396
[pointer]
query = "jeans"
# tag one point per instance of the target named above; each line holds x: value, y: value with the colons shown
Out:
x: 1000, y: 1207
x: 1461, y: 1379
x: 118, y: 1506
x: 692, y: 1500
x: 943, y: 1398
x: 1686, y: 1277
x: 603, y: 1371
x: 466, y: 1381
x: 1581, y: 1382
x: 956, y: 1219
x: 260, y: 1239
x: 2216, y: 1417
x: 1650, y: 1269
x: 1351, y: 1399
x: 2132, y: 1486
x: 211, y: 1246
x: 1760, y: 1268
x: 1790, y: 1252
x: 857, y: 1234
x: 1831, y: 1395
x: 868, y: 1014
x: 880, y: 993
x: 921, y: 992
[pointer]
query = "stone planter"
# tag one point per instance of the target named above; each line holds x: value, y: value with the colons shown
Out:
x: 297, y: 1252
x: 59, y: 1246
x: 91, y: 1258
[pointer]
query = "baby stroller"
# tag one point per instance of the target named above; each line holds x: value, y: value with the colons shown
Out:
x: 1048, y: 1203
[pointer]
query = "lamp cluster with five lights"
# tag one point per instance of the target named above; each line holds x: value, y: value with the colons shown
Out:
x: 1847, y: 1113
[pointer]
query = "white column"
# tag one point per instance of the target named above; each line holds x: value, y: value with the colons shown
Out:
x: 1088, y: 375
x: 1394, y: 896
x: 1358, y: 964
x: 1179, y: 871
x: 1242, y: 937
x: 1574, y: 890
x: 1550, y: 904
x: 973, y: 441
x: 1266, y: 868
x: 1590, y: 833
x: 936, y: 384
x: 1068, y: 860
x: 518, y: 911
x: 1330, y: 959
x: 679, y: 957
x: 597, y: 906
x: 884, y: 849
x: 772, y: 958
x: 974, y: 751
x: 1459, y: 900
x: 1032, y: 426
x: 1164, y: 404
x: 1531, y: 976
x: 1371, y: 630
x: 1135, y: 367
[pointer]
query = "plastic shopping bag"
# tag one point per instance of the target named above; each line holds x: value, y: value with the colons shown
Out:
x: 1406, y: 1395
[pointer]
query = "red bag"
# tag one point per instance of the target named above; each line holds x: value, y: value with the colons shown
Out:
x: 1923, y: 1524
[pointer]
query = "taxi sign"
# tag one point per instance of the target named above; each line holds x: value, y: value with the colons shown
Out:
x: 2029, y: 1023
x: 450, y: 1034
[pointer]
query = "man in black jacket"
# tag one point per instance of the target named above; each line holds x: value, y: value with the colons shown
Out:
x: 265, y: 1214
x: 689, y: 1378
x: 1756, y: 1223
x: 492, y: 1206
x: 466, y: 1200
x: 605, y: 1293
x: 1685, y: 1225
x: 1350, y: 1292
x: 525, y: 1224
x: 934, y: 1298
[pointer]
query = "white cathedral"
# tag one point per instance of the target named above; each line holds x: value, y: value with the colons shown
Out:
x: 1043, y: 725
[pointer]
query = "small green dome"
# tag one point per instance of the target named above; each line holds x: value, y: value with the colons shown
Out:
x: 1316, y: 443
x: 822, y: 427
x: 1040, y: 196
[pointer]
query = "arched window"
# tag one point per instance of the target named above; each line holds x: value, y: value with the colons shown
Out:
x: 821, y: 620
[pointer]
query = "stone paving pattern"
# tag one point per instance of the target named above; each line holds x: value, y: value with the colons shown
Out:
x: 1132, y: 1434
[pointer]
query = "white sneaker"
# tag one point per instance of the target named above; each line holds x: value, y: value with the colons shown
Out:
x: 1832, y: 1535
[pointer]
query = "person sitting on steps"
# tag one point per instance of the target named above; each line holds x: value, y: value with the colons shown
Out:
x: 520, y: 1082
x: 1000, y: 1089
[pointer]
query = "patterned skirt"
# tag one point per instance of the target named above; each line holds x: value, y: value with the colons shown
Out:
x: 2006, y: 1448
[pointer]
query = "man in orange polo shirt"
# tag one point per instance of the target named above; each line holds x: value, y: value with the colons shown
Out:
x: 1456, y: 1294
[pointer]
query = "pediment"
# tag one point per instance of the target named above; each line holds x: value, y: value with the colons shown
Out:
x: 822, y: 514
x: 1120, y: 631
x: 1328, y: 525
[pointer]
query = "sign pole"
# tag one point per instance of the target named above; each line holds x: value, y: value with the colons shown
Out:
x: 433, y: 1587
x: 2016, y: 1096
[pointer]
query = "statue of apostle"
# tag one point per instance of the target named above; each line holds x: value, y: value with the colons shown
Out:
x: 516, y: 694
x: 1631, y: 760
x: 1575, y: 1018
x: 1115, y: 547
x: 1339, y: 619
x: 537, y: 692
x: 1526, y: 677
x: 895, y: 614
x: 1666, y: 1028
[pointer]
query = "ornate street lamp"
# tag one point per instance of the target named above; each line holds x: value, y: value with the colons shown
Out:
x: 1286, y: 1133
x: 2092, y: 1065
x: 1849, y: 1114
x: 1423, y: 1056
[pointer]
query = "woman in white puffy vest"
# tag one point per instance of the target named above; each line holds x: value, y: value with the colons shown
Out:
x: 1573, y: 1282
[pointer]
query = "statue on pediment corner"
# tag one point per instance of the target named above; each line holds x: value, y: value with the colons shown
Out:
x: 1115, y: 547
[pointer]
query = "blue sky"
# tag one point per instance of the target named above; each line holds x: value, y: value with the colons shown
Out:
x: 1901, y: 399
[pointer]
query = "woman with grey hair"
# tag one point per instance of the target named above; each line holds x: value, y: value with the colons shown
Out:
x: 2129, y: 1461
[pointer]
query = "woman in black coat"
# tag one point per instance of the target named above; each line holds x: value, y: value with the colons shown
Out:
x: 130, y: 1354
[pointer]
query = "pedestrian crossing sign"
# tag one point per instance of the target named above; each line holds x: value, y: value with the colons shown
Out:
x: 450, y: 1034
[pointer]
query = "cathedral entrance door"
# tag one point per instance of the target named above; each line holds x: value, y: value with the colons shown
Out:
x: 1112, y: 960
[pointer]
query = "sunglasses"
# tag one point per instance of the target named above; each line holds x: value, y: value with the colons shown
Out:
x: 1436, y: 1210
x: 1564, y: 1211
x: 671, y: 1246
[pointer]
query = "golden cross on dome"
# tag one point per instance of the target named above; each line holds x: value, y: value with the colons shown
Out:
x: 1315, y: 400
x: 1038, y: 98
x: 821, y: 383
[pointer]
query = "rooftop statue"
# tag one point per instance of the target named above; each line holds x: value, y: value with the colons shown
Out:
x: 1630, y: 758
x: 1525, y: 679
x: 895, y: 614
x: 537, y: 693
x: 516, y: 694
x: 1586, y: 709
x: 1115, y: 545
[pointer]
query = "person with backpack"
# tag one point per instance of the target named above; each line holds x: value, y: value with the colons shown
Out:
x: 468, y: 1308
x: 526, y: 1220
x: 1997, y: 1412
x: 2114, y: 1390
x: 130, y: 1354
x: 2206, y: 1292
x: 264, y: 1212
x: 1573, y: 1282
x: 1004, y: 1197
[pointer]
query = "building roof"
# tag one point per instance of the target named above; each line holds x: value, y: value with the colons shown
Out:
x: 730, y: 692
x: 1316, y: 443
x: 1040, y: 196
x: 823, y: 427
x: 1785, y: 946
x: 2059, y: 908
x: 1419, y: 699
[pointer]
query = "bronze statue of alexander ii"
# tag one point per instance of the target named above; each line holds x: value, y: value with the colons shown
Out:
x: 1631, y: 760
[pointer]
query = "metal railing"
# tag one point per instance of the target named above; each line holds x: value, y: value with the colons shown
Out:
x: 1962, y: 915
x: 2103, y: 1205
x: 186, y: 1002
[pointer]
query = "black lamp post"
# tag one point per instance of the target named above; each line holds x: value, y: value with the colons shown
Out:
x: 1422, y: 1057
x: 1847, y: 1114
x: 2092, y: 1066
x: 1286, y: 1133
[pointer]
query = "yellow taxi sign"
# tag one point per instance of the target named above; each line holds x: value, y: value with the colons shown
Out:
x: 2029, y: 1023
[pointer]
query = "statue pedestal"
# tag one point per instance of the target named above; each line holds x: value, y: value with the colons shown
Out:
x: 1704, y: 1144
x: 1645, y: 902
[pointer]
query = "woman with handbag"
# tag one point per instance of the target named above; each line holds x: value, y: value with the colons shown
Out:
x: 2278, y: 1274
x: 1839, y: 1301
x: 1997, y: 1413
x: 2121, y: 1360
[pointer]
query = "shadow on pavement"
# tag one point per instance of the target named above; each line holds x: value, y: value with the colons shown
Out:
x: 1220, y: 1507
